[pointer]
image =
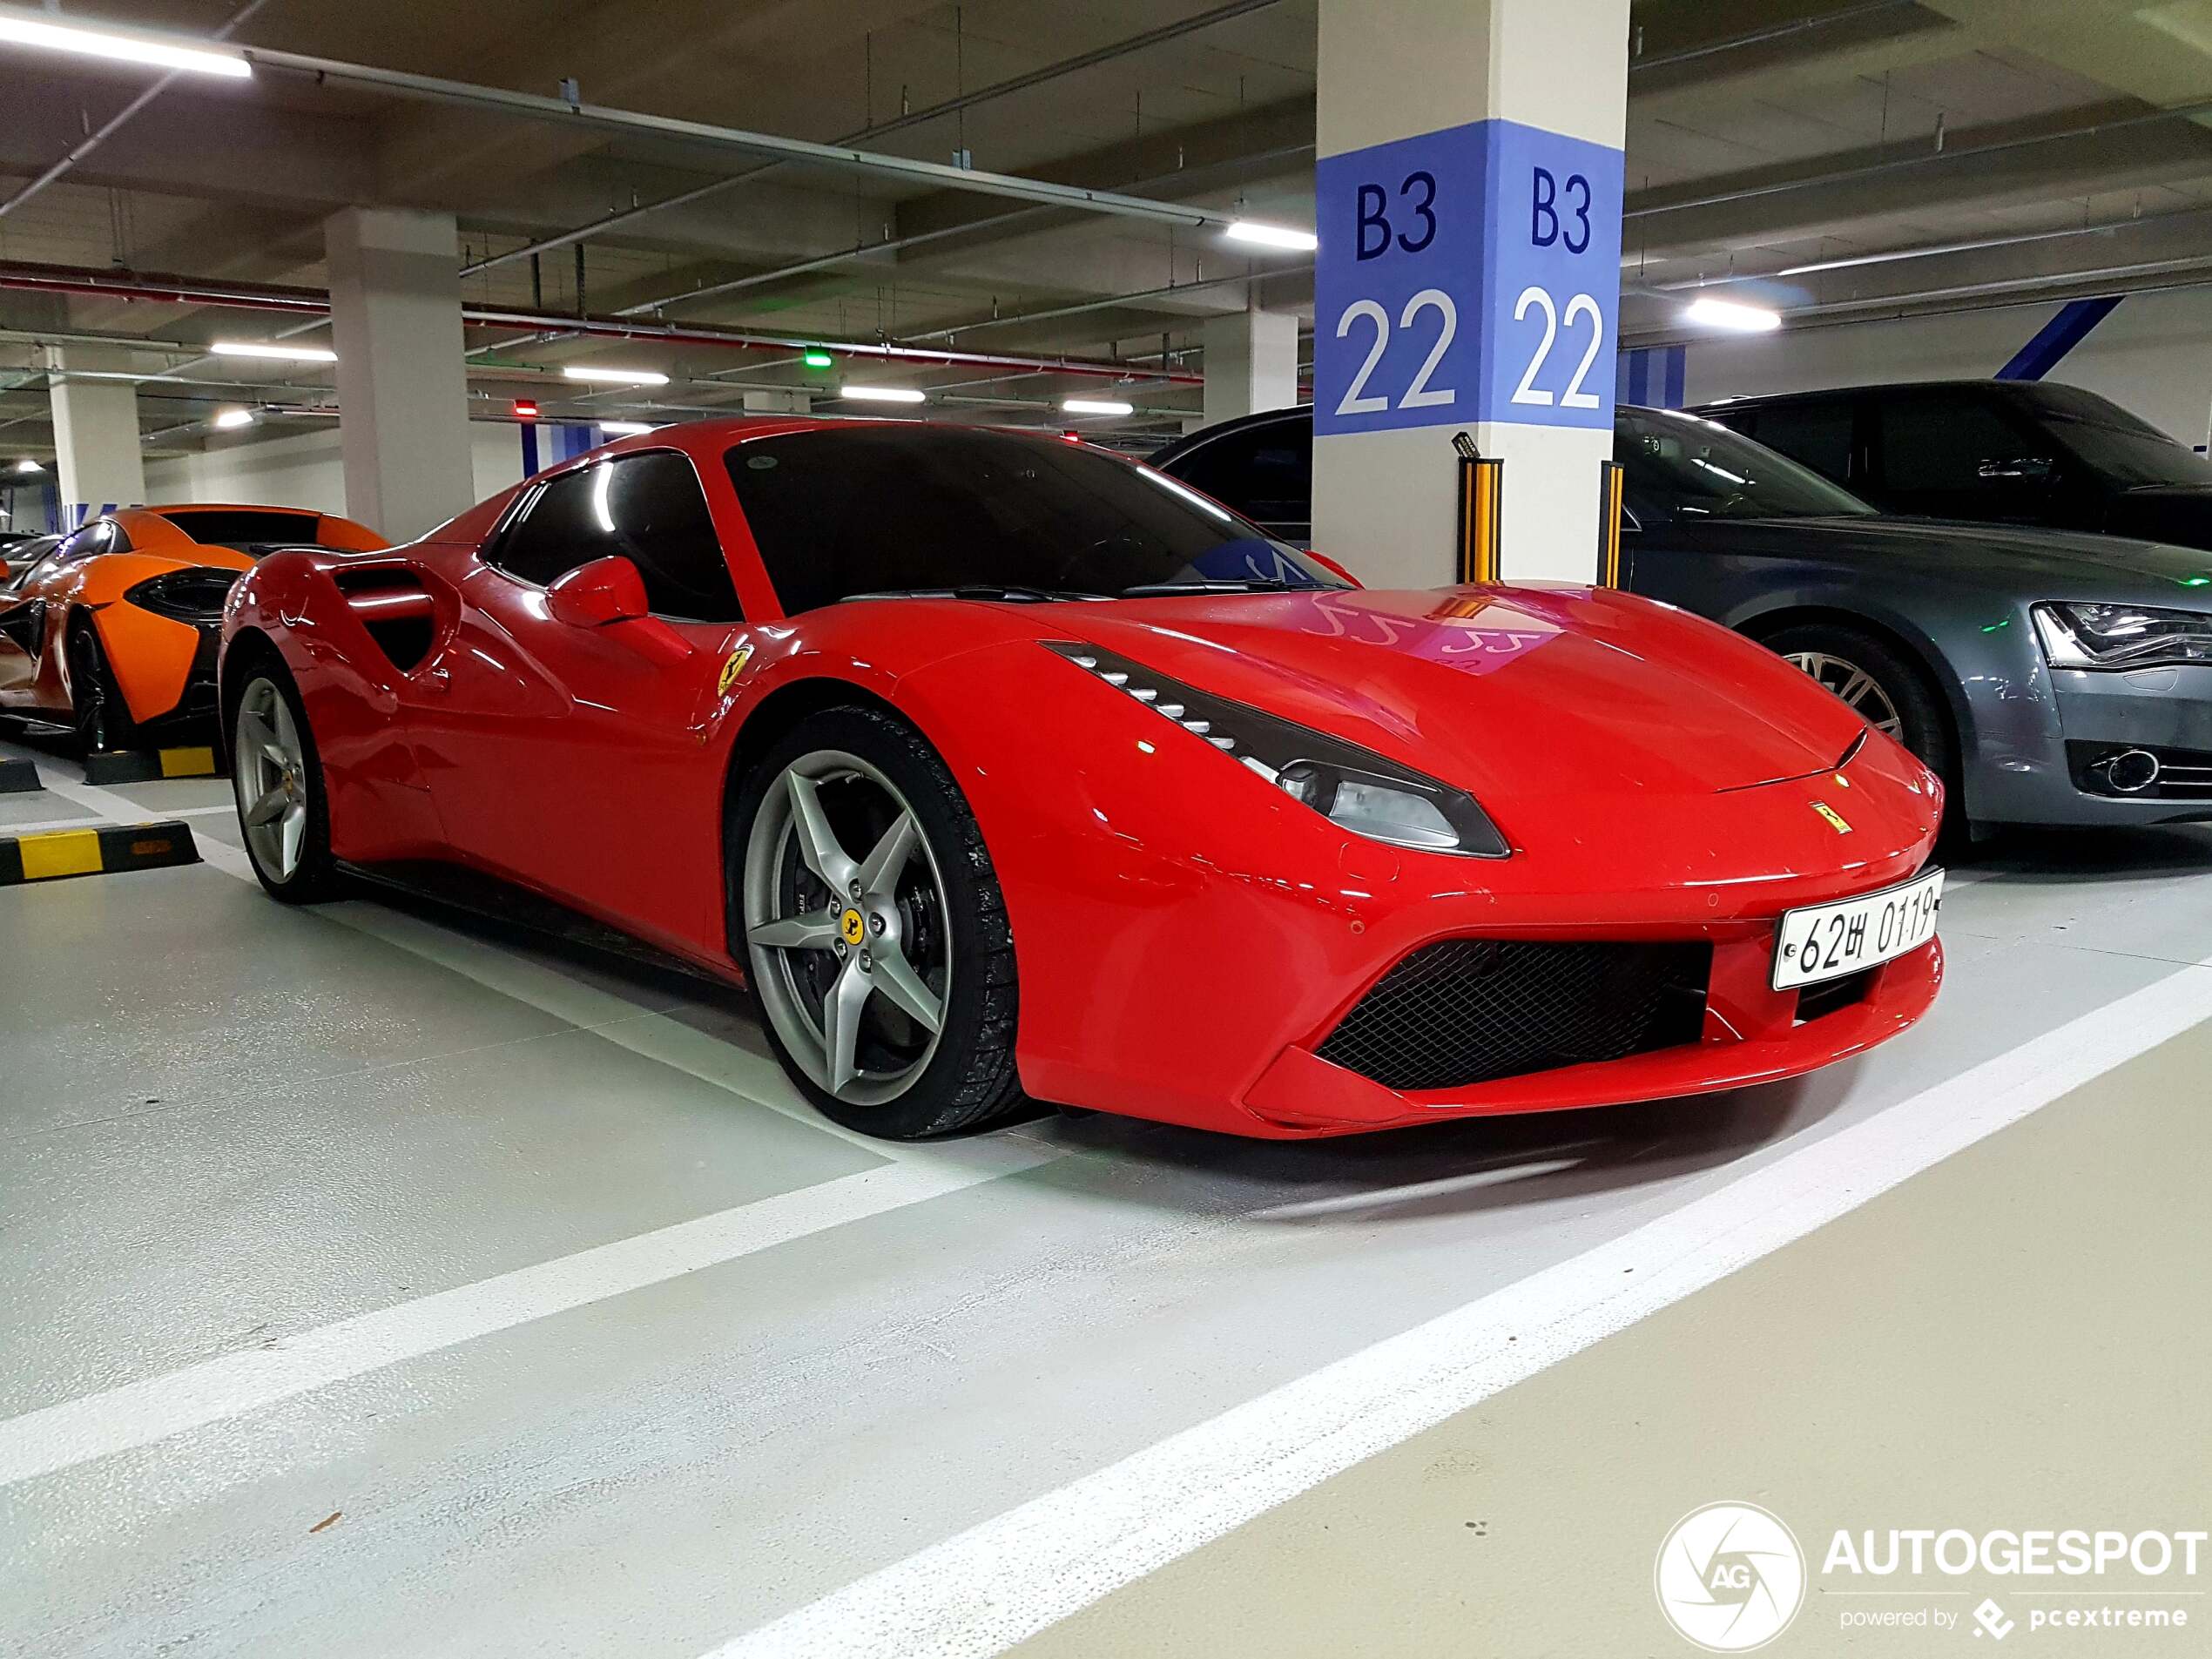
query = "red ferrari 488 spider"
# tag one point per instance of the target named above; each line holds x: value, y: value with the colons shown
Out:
x: 999, y: 766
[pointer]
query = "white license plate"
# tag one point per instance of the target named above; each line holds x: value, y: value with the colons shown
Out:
x: 1824, y: 941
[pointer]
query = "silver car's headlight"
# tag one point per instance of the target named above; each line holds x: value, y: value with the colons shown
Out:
x: 2100, y: 635
x: 1354, y: 788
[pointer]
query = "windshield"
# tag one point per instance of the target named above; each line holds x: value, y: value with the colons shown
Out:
x: 1681, y: 466
x: 2113, y: 444
x: 846, y: 511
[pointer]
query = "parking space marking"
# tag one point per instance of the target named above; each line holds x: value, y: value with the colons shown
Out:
x: 982, y: 1591
x: 140, y: 1414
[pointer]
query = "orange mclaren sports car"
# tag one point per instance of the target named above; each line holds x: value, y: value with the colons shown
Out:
x: 113, y: 629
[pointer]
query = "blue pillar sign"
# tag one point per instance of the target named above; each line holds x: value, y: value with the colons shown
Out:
x: 1466, y: 275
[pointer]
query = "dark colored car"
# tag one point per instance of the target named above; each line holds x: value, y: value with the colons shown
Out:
x: 2003, y: 452
x: 2052, y: 677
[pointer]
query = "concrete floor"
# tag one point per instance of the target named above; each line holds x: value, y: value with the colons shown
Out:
x: 375, y: 1283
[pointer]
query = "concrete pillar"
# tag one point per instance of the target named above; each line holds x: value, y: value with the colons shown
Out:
x: 96, y: 432
x: 1251, y: 363
x: 402, y: 397
x: 1469, y: 203
x: 779, y: 402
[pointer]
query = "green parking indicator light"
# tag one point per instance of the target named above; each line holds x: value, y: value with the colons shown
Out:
x: 817, y: 359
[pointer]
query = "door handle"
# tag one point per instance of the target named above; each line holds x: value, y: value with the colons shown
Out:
x: 436, y: 679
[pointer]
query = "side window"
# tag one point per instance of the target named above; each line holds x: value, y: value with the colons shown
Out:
x: 557, y: 532
x: 1265, y: 474
x: 649, y: 508
x: 1817, y: 435
x: 1938, y: 456
x: 661, y: 518
x: 94, y: 539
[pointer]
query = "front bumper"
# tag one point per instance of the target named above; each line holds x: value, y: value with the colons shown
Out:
x: 2167, y: 710
x: 1753, y: 1035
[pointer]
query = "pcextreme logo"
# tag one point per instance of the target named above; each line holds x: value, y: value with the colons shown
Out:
x: 1729, y: 1577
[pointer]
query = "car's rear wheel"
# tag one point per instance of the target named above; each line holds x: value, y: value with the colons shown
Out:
x: 97, y: 708
x: 277, y: 778
x: 868, y: 913
x: 1882, y: 688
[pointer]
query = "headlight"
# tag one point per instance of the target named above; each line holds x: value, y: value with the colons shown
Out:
x: 2087, y: 635
x: 1353, y: 787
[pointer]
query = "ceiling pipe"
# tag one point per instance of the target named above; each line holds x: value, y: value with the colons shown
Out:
x: 1762, y: 37
x: 185, y: 291
x: 936, y: 175
x: 1174, y: 290
x: 1892, y: 256
x: 1852, y: 175
x: 94, y: 140
x: 915, y: 117
x: 919, y: 238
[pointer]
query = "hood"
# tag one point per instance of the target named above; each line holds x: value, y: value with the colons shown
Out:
x: 2022, y: 559
x: 1571, y: 691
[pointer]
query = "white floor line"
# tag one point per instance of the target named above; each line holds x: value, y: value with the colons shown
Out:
x: 140, y: 1414
x: 1001, y: 1581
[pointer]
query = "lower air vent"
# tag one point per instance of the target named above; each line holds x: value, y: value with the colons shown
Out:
x: 1471, y: 1011
x: 1831, y: 994
x: 393, y: 606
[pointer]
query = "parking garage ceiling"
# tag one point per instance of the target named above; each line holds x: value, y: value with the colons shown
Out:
x: 1848, y: 159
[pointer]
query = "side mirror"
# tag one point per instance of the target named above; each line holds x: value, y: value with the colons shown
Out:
x: 591, y: 595
x: 2027, y: 468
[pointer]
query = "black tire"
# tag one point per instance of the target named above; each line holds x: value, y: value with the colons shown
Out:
x: 969, y: 1081
x: 1924, y: 723
x: 96, y: 709
x: 316, y: 877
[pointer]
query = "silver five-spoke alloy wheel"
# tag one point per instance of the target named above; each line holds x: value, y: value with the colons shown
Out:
x: 846, y: 928
x: 269, y: 774
x: 1856, y: 687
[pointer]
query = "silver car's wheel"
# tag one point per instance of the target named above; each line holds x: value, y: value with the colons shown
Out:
x: 270, y: 776
x: 1867, y: 697
x: 846, y: 928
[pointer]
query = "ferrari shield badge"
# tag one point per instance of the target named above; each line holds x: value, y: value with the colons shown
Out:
x: 1835, y: 818
x: 733, y: 667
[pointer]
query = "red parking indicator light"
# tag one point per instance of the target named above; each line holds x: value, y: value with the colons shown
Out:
x: 525, y: 409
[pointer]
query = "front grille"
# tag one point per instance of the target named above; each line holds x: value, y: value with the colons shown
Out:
x: 1471, y: 1011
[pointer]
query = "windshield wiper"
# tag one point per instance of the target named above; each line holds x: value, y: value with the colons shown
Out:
x: 1241, y: 584
x: 1003, y: 593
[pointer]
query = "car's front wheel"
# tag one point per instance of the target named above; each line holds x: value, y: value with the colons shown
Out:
x: 868, y: 916
x: 1880, y: 685
x: 277, y: 778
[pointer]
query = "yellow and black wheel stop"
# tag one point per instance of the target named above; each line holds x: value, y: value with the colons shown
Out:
x: 51, y: 854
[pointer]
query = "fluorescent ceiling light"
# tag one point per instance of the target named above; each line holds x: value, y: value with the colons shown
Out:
x: 125, y: 49
x: 883, y: 393
x: 281, y: 353
x: 234, y: 418
x: 1250, y: 229
x: 624, y: 429
x: 27, y: 465
x: 1095, y: 406
x: 615, y: 376
x: 1729, y: 314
